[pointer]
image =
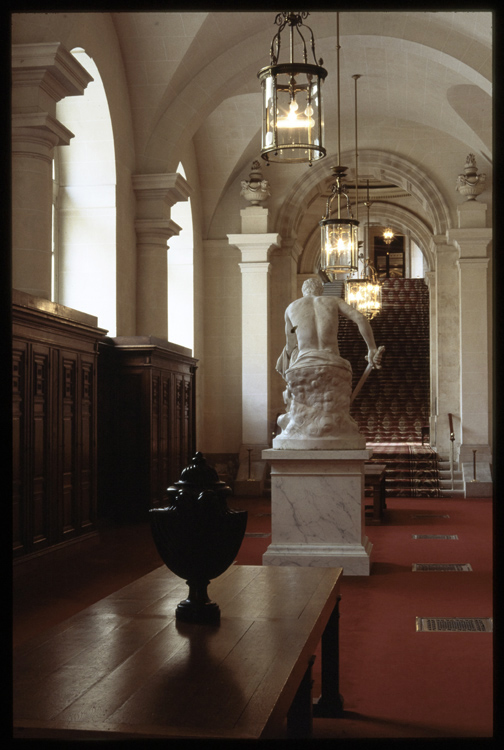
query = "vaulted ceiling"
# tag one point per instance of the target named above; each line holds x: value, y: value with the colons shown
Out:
x: 424, y: 94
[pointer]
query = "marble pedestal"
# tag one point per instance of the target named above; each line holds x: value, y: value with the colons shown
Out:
x: 317, y: 509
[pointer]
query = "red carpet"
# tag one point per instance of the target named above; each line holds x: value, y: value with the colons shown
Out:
x: 397, y: 683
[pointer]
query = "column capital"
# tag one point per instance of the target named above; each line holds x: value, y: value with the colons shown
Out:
x: 471, y: 242
x: 157, y: 193
x: 37, y: 133
x: 261, y: 266
x: 156, y: 231
x: 43, y: 74
x: 255, y: 248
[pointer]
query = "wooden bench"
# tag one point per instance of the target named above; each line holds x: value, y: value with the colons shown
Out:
x: 124, y: 668
x: 375, y: 478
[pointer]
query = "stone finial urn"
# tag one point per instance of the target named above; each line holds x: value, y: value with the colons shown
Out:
x: 198, y: 536
x: 255, y: 189
x: 470, y: 184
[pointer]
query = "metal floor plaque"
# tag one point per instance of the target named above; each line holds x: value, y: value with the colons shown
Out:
x: 454, y: 625
x: 434, y: 536
x: 444, y: 567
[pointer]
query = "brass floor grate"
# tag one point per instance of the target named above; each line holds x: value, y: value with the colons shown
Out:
x: 429, y: 515
x: 434, y: 536
x: 443, y: 567
x: 454, y: 625
x: 256, y: 534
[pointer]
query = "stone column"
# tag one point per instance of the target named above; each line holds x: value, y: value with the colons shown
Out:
x: 42, y: 75
x: 156, y: 194
x: 446, y: 367
x: 430, y: 280
x: 472, y: 242
x: 255, y: 244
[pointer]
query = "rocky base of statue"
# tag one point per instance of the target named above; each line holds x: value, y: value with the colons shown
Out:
x: 318, y: 400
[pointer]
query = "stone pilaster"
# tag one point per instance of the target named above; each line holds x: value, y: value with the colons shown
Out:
x: 156, y: 194
x: 42, y: 75
x: 255, y: 273
x: 446, y: 367
x: 472, y: 245
x: 430, y: 280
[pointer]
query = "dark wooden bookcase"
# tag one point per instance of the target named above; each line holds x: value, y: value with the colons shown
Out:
x: 146, y: 430
x: 54, y: 410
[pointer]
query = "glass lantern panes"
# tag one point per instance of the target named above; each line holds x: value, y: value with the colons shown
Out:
x: 364, y: 295
x: 338, y: 246
x: 292, y: 128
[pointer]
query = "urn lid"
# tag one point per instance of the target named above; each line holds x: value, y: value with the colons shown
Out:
x: 200, y: 475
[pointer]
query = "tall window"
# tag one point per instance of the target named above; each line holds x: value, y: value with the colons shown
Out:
x: 180, y: 276
x: 55, y: 227
x: 85, y: 211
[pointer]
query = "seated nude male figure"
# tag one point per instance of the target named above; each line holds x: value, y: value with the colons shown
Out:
x: 311, y: 325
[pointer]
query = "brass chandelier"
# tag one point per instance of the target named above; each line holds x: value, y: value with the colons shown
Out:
x: 292, y: 121
x: 388, y: 235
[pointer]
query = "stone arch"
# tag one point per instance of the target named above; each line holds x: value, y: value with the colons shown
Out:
x: 384, y: 166
x: 397, y: 217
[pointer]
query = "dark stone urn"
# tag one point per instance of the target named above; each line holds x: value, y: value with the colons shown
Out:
x: 198, y: 536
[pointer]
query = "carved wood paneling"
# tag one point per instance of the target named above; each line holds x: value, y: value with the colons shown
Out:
x: 145, y: 388
x: 19, y: 439
x: 54, y: 424
x: 69, y: 445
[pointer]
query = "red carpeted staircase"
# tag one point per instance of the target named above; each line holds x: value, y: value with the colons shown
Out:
x: 412, y: 470
x: 393, y: 405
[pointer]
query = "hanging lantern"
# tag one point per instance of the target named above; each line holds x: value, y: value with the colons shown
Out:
x: 292, y: 123
x: 388, y: 235
x: 365, y: 295
x: 339, y: 244
x: 338, y: 241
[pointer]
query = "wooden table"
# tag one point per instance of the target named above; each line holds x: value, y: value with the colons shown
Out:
x: 124, y: 668
x: 375, y: 478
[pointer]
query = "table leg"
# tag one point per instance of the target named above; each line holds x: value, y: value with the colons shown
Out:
x: 300, y: 715
x: 383, y: 501
x: 330, y: 703
x: 377, y: 506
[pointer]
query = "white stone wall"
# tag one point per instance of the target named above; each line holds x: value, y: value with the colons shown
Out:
x: 222, y: 409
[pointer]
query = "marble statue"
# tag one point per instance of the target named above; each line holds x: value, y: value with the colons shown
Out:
x: 319, y: 380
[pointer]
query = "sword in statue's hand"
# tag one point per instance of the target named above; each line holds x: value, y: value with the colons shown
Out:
x: 366, y: 372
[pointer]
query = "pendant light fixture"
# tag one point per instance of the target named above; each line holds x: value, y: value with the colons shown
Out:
x: 292, y: 122
x: 365, y: 294
x: 339, y: 244
x: 388, y: 235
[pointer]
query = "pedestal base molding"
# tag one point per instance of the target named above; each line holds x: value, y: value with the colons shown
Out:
x: 355, y: 559
x: 317, y: 508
